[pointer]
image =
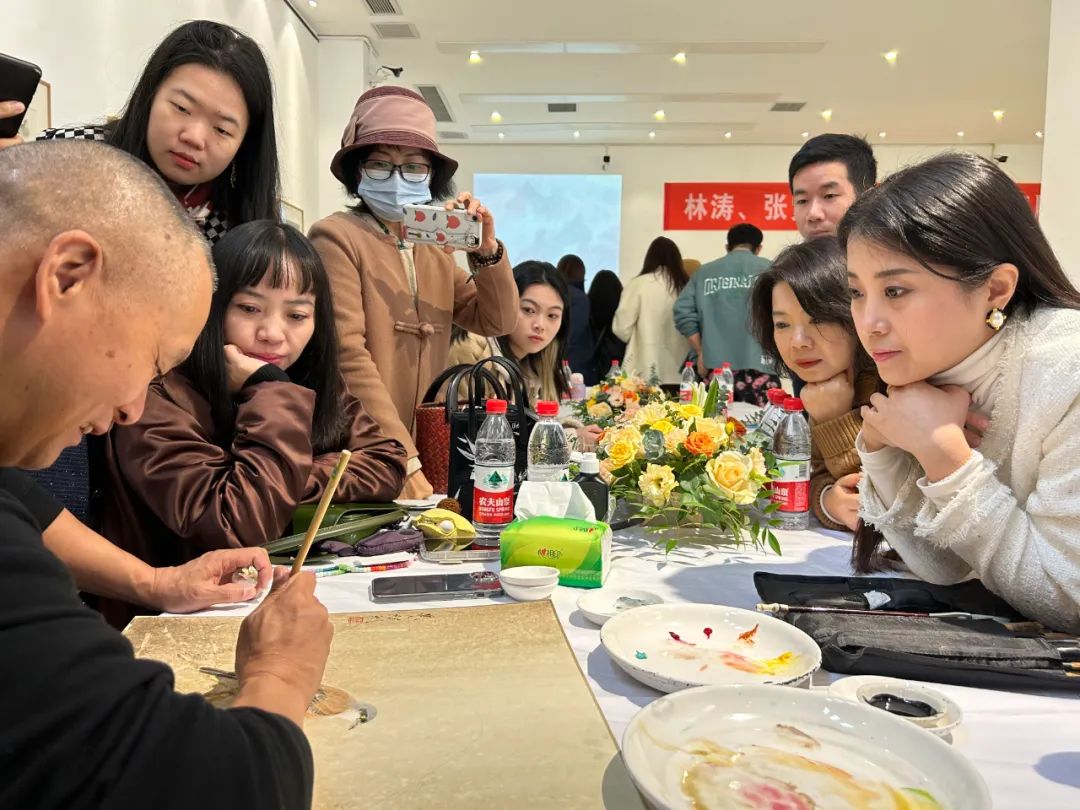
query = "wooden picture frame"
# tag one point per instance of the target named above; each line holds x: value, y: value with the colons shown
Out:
x: 38, y: 117
x: 293, y: 215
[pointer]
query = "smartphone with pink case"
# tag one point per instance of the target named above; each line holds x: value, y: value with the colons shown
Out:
x: 435, y: 225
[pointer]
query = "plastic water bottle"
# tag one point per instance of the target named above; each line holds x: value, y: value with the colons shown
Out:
x: 687, y: 383
x: 727, y: 379
x: 493, y: 475
x: 568, y: 376
x: 598, y: 493
x: 615, y: 371
x: 549, y: 451
x: 577, y: 387
x: 791, y: 445
x: 773, y: 413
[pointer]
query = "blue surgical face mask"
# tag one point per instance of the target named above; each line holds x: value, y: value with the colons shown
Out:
x: 386, y: 197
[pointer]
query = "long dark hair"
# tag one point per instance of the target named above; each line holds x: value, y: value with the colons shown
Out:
x: 222, y: 48
x: 605, y: 292
x: 817, y: 273
x: 664, y: 255
x: 547, y: 363
x: 244, y: 257
x: 961, y: 212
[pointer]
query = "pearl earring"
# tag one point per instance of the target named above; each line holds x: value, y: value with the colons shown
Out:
x: 995, y: 319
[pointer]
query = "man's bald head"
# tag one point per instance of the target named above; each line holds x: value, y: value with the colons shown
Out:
x: 150, y: 244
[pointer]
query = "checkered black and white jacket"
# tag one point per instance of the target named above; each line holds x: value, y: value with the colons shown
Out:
x: 214, y: 225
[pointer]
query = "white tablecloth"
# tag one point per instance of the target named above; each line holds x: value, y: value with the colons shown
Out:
x: 1027, y: 747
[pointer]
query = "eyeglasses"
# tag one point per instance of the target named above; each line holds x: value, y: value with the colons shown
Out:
x: 410, y: 172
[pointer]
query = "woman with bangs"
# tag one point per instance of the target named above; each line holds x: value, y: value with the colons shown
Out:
x: 251, y: 425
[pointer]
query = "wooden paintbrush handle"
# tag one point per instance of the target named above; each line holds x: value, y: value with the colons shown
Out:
x: 320, y: 512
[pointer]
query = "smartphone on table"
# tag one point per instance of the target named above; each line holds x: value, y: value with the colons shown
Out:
x: 421, y: 587
x: 18, y: 82
x: 435, y: 225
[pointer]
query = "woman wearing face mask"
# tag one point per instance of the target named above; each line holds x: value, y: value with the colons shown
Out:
x: 395, y: 302
x: 800, y: 316
x: 538, y: 342
x: 960, y: 301
x: 252, y: 423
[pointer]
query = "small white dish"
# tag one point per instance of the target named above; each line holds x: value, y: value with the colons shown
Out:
x: 864, y: 688
x: 716, y: 746
x: 601, y: 604
x: 528, y: 583
x: 676, y: 646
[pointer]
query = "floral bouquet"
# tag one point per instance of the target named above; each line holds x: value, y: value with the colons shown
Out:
x: 623, y: 394
x: 688, y: 467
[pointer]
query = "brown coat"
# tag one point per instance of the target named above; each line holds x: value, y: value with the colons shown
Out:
x: 394, y: 344
x: 173, y: 493
x: 833, y: 453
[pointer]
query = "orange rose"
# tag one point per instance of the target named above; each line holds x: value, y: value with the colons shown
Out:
x: 700, y: 444
x: 630, y: 396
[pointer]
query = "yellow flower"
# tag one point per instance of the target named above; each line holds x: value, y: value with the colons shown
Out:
x: 621, y: 453
x: 626, y: 433
x: 600, y: 410
x: 689, y: 411
x: 590, y: 403
x: 656, y: 484
x: 673, y: 438
x: 653, y: 412
x: 714, y: 429
x: 757, y: 462
x: 730, y: 472
x: 663, y: 426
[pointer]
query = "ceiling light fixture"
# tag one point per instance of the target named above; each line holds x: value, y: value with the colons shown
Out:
x: 659, y: 115
x: 999, y: 115
x: 475, y: 58
x: 496, y: 118
x: 502, y: 135
x: 960, y: 134
x: 679, y: 58
x: 827, y: 115
x: 882, y: 134
x: 727, y: 134
x: 805, y: 135
x: 891, y: 57
x: 577, y: 134
x: 1038, y: 133
x: 652, y: 136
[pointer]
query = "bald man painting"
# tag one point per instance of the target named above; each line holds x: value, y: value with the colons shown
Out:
x: 104, y: 284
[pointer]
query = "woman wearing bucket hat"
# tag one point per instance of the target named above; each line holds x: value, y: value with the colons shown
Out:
x: 395, y: 301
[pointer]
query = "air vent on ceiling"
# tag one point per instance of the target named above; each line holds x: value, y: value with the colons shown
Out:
x: 437, y: 101
x: 396, y: 30
x: 787, y: 106
x: 453, y: 136
x: 562, y: 108
x: 383, y: 7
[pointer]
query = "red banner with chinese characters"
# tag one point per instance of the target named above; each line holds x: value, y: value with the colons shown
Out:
x: 719, y: 206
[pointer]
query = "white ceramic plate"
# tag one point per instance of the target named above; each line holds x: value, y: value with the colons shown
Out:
x: 860, y: 688
x: 419, y: 504
x: 790, y: 742
x: 601, y: 604
x: 676, y: 646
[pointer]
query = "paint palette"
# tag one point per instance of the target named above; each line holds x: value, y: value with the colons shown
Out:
x: 717, y: 747
x: 676, y: 646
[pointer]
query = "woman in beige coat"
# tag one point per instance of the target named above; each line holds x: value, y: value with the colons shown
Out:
x: 395, y: 301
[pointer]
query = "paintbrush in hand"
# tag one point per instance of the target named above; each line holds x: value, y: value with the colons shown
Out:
x: 320, y: 512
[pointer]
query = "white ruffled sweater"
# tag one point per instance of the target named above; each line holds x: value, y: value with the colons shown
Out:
x: 1011, y: 514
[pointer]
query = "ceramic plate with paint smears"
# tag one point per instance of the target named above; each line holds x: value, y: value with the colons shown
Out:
x: 727, y: 747
x: 676, y: 646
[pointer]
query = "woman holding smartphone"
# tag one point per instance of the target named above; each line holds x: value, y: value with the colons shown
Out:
x: 394, y: 301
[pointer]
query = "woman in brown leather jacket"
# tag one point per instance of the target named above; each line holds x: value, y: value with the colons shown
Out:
x: 251, y: 425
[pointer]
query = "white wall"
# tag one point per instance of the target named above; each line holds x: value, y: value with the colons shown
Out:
x: 92, y: 52
x: 342, y: 73
x: 645, y: 169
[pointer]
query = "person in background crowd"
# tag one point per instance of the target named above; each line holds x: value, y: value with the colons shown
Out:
x: 826, y: 175
x: 580, y: 351
x: 605, y: 292
x: 395, y: 301
x: 712, y: 311
x: 645, y: 319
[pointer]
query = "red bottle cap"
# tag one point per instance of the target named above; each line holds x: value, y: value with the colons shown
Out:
x: 547, y: 407
x: 716, y: 370
x: 792, y: 405
x: 688, y: 364
x: 727, y: 365
x: 496, y: 406
x: 776, y: 396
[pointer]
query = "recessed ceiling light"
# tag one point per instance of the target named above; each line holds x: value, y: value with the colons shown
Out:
x: 826, y: 114
x: 652, y: 135
x: 960, y: 134
x: 496, y: 118
x: 1038, y: 133
x: 727, y: 134
x: 475, y: 58
x: 312, y: 3
x: 891, y: 56
x: 577, y: 134
x: 805, y: 135
x: 882, y: 134
x: 502, y: 135
x: 659, y: 115
x: 999, y: 115
x: 679, y: 58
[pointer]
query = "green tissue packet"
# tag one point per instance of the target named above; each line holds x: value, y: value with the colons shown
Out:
x: 580, y: 549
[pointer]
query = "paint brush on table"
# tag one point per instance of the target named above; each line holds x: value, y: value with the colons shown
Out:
x: 780, y: 610
x: 320, y: 511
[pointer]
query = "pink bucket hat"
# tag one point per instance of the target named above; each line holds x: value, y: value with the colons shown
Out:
x: 390, y: 115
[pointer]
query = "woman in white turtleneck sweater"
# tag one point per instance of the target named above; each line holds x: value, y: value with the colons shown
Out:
x: 962, y: 304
